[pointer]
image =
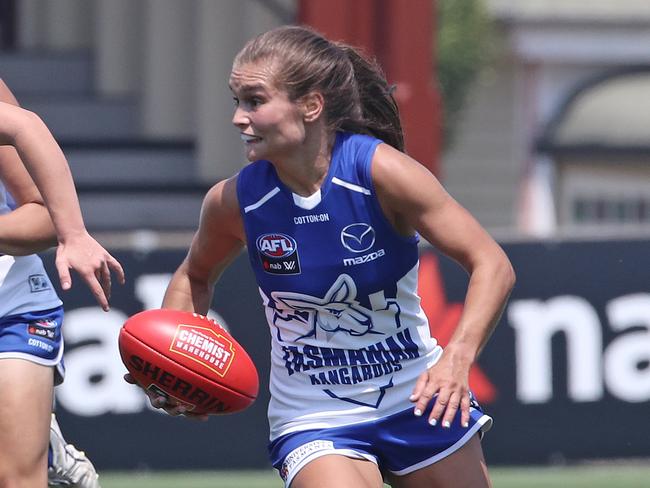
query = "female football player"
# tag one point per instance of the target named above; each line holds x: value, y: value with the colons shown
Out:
x: 31, y: 345
x: 331, y: 211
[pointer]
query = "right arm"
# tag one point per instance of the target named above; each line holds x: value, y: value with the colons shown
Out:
x: 218, y: 240
x: 28, y: 229
x: 44, y: 161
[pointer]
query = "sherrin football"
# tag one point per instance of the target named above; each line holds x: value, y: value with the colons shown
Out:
x: 189, y: 358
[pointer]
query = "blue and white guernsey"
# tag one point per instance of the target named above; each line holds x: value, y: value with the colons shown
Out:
x: 24, y: 284
x: 339, y: 287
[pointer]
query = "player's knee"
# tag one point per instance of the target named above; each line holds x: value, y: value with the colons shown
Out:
x: 23, y: 470
x: 19, y: 478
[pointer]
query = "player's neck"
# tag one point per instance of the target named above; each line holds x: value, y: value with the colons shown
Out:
x: 305, y: 172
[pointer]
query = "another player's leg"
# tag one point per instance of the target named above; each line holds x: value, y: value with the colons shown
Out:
x: 25, y: 406
x: 465, y: 468
x: 68, y: 466
x: 336, y: 471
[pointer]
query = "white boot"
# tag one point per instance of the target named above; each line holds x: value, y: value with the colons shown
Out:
x: 69, y: 467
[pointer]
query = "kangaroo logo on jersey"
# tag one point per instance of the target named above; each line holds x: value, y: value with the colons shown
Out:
x: 338, y: 312
x: 358, y: 340
x: 278, y: 253
x: 358, y: 237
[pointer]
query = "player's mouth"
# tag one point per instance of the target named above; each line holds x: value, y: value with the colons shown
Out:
x: 249, y: 139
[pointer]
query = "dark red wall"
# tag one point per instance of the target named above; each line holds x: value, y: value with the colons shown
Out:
x: 401, y: 35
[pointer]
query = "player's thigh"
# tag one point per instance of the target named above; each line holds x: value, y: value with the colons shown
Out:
x: 337, y: 471
x: 25, y: 407
x: 465, y: 468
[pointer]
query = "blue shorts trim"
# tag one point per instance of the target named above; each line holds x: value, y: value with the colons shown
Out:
x: 400, y: 443
x: 36, y: 337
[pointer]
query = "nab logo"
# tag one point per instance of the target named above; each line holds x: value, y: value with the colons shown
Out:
x: 358, y: 237
x: 278, y: 253
x: 43, y: 328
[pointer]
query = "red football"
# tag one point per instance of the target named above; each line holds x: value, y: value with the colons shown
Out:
x: 190, y: 358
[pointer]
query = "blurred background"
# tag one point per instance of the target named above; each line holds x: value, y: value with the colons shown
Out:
x: 535, y: 115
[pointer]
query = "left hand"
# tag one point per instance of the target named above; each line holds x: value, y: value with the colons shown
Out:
x: 88, y: 258
x: 167, y: 404
x: 447, y: 384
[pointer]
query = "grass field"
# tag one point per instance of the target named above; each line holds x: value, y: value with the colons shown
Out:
x: 587, y: 476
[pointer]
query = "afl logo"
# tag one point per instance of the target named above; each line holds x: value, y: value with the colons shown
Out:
x: 276, y: 245
x: 358, y: 237
x: 278, y: 254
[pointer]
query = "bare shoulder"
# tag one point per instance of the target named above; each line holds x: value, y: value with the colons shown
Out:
x: 413, y: 199
x: 220, y: 211
x: 222, y: 197
x: 398, y: 173
x: 405, y: 188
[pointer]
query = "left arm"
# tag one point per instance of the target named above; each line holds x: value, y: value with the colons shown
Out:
x: 414, y: 200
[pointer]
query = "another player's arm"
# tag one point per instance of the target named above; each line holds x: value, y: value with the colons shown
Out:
x: 47, y: 166
x: 28, y: 229
x: 414, y: 200
x: 218, y: 240
x: 44, y: 160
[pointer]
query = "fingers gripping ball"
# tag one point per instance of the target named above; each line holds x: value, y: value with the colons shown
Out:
x: 189, y: 359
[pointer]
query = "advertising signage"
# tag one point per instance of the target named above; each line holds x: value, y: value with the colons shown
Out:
x: 566, y: 374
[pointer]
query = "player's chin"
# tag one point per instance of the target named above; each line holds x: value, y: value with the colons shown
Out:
x: 254, y: 151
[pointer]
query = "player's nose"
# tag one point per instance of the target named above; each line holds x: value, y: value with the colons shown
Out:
x: 240, y: 118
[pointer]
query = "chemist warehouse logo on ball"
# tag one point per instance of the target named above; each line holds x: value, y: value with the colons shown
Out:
x: 278, y: 254
x: 205, y: 346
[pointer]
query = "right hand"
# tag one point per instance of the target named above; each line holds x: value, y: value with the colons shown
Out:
x: 93, y: 263
x: 167, y: 404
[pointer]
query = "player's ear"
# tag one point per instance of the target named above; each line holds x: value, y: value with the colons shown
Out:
x: 312, y: 106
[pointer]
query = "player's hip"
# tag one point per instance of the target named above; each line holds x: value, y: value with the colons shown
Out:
x: 34, y: 336
x: 399, y: 443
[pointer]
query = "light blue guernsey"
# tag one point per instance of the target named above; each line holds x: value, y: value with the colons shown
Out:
x: 24, y: 284
x: 339, y: 287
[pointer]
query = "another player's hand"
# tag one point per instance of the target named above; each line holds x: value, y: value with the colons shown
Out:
x: 168, y: 405
x: 446, y: 383
x: 93, y: 263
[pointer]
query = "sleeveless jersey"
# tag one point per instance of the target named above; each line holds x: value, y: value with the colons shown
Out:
x: 24, y: 284
x: 339, y: 289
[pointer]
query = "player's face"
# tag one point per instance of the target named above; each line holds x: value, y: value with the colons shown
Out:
x: 270, y: 124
